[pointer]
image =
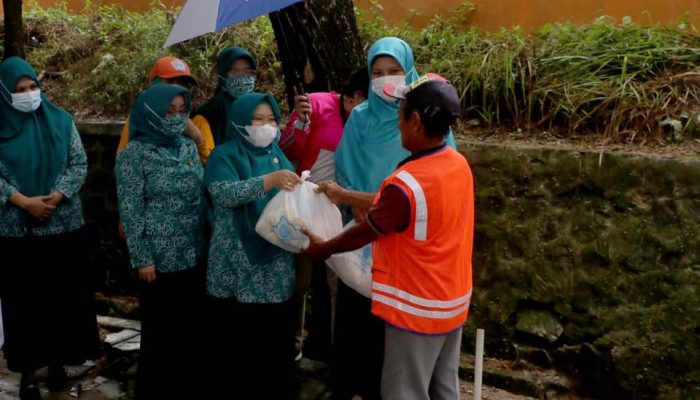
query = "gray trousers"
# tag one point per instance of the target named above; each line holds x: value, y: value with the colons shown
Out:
x: 420, y: 367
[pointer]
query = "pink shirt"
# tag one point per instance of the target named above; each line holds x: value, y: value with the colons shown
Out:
x: 313, y: 149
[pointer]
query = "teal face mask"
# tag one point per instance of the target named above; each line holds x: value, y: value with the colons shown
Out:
x: 236, y: 86
x: 174, y: 125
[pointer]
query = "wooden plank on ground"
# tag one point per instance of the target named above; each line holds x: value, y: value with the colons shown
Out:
x: 120, y: 323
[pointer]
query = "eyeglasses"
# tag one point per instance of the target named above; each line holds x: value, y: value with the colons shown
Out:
x: 240, y: 72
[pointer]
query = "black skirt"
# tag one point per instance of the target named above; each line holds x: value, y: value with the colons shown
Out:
x: 47, y: 305
x: 250, y: 350
x: 171, y: 310
x: 358, y: 348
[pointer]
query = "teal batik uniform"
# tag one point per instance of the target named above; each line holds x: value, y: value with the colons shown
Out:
x: 242, y: 265
x: 40, y: 152
x: 159, y: 184
x: 47, y: 308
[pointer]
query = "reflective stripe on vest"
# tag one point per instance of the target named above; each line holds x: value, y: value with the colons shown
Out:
x: 419, y: 311
x: 405, y: 297
x: 421, y: 225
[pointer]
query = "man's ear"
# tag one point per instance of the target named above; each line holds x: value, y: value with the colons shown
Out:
x: 415, y: 121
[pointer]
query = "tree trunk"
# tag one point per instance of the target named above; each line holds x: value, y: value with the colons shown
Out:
x: 14, y: 30
x: 318, y: 43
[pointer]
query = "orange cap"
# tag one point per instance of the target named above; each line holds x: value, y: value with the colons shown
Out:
x: 171, y: 67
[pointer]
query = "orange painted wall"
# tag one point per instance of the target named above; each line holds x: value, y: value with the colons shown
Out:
x: 493, y: 14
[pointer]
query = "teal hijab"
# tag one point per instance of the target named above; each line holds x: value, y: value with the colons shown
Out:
x: 149, y: 110
x: 215, y: 109
x: 33, y: 146
x: 238, y: 160
x: 370, y: 149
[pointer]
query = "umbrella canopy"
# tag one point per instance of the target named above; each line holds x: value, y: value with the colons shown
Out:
x: 204, y: 16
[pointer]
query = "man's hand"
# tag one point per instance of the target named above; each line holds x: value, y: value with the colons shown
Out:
x: 360, y: 214
x: 331, y: 189
x: 147, y: 274
x: 316, y: 250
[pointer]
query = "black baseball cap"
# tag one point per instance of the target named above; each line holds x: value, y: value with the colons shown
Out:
x: 430, y: 95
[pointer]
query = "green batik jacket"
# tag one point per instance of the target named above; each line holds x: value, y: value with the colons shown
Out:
x: 162, y: 206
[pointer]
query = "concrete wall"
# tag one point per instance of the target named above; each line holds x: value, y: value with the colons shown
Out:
x: 594, y: 261
x: 583, y: 261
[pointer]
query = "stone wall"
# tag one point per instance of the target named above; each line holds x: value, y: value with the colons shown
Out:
x: 107, y: 251
x: 584, y: 262
x: 590, y: 262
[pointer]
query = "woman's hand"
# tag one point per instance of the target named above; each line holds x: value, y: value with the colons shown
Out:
x: 192, y: 132
x: 302, y: 107
x: 120, y: 230
x: 38, y: 207
x: 335, y: 193
x: 147, y: 274
x: 283, y: 179
x: 55, y: 198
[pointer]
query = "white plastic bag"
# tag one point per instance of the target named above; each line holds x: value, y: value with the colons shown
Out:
x: 354, y: 268
x: 285, y: 216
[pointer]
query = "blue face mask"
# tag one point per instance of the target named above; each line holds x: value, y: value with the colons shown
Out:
x: 236, y: 86
x: 174, y: 125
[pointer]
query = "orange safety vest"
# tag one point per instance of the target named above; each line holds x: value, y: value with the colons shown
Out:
x: 422, y: 277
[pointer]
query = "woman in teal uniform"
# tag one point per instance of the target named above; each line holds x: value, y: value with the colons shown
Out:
x: 161, y: 202
x: 47, y: 306
x: 250, y: 282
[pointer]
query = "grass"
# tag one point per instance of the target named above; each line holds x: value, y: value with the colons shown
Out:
x: 625, y: 81
x: 628, y: 82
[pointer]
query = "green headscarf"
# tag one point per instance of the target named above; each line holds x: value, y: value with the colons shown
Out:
x: 237, y: 160
x: 215, y: 109
x: 33, y: 146
x: 148, y: 112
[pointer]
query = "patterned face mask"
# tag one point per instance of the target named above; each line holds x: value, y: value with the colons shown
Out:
x: 236, y: 86
x: 174, y: 125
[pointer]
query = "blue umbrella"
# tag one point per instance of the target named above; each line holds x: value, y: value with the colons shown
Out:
x: 204, y: 16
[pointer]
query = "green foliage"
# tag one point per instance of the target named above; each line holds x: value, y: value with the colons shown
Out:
x: 622, y: 80
x: 99, y: 60
x: 628, y: 81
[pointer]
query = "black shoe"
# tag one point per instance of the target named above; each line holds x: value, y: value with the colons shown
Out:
x: 29, y: 392
x: 57, y: 378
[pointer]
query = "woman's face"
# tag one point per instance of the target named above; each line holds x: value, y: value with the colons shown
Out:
x: 177, y: 106
x: 25, y: 84
x: 386, y: 65
x: 263, y: 115
x: 241, y: 67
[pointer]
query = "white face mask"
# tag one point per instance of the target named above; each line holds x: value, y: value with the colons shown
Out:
x: 27, y: 101
x: 379, y: 83
x: 261, y: 136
